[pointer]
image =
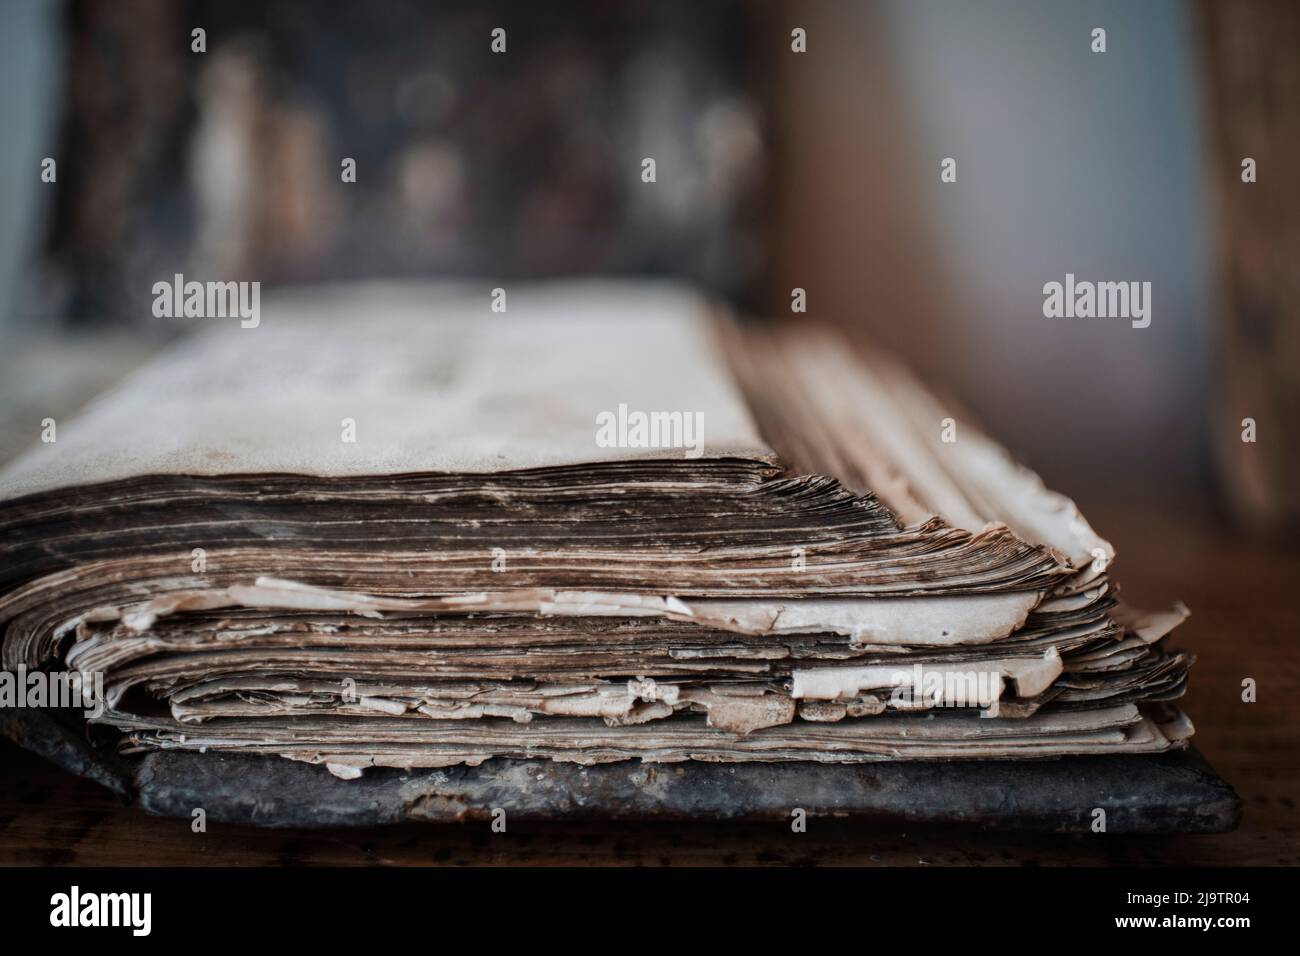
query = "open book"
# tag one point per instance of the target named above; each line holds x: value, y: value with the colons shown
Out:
x: 389, y: 527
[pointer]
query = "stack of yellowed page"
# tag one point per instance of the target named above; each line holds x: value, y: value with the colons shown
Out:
x: 389, y: 526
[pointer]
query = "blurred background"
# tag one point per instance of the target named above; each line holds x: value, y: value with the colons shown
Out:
x: 776, y: 169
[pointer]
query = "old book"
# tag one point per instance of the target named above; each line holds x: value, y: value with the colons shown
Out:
x: 388, y: 527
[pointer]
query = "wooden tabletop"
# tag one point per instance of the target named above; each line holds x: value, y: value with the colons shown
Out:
x: 1244, y: 624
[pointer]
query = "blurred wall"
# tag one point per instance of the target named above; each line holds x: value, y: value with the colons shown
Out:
x: 30, y: 69
x: 1067, y: 161
x: 229, y: 161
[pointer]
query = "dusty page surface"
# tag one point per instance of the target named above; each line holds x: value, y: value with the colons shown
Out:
x: 432, y: 378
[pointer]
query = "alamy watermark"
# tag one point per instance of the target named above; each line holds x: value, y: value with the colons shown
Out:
x: 179, y: 299
x: 635, y: 429
x: 936, y: 687
x: 23, y: 688
x: 75, y: 908
x: 1074, y: 299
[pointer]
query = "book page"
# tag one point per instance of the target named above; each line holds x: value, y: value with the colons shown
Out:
x: 430, y: 380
